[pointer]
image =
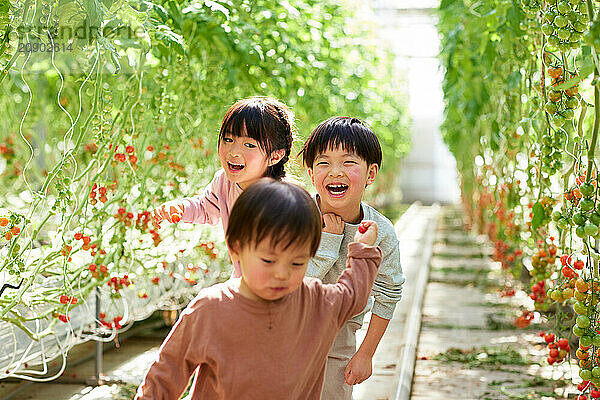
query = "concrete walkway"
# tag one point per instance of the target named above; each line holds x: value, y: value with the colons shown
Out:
x: 414, y: 230
x: 469, y: 347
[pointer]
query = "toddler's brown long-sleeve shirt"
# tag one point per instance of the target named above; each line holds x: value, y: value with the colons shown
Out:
x: 247, y: 349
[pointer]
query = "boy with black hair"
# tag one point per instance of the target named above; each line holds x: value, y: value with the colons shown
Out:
x: 343, y: 156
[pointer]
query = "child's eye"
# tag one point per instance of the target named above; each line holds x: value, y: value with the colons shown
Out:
x: 350, y: 162
x: 297, y: 265
x: 250, y: 145
x: 322, y: 163
x: 266, y: 261
x: 228, y: 140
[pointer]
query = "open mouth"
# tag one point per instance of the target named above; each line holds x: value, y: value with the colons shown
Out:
x: 235, y: 167
x: 337, y: 189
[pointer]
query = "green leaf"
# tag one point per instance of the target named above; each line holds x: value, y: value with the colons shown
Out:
x: 94, y: 11
x: 170, y: 38
x: 538, y: 215
x: 514, y: 79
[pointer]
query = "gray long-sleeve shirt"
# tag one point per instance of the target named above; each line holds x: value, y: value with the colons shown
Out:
x: 330, y: 261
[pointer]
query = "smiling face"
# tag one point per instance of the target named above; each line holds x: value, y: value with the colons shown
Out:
x: 271, y: 272
x: 340, y: 178
x: 243, y: 160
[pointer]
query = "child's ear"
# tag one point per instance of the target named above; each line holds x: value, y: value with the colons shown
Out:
x: 276, y: 156
x: 372, y: 173
x: 234, y: 252
x: 311, y: 174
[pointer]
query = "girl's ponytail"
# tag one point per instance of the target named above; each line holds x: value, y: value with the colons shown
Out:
x: 277, y: 171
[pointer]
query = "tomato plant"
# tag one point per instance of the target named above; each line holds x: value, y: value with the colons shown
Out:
x: 112, y: 107
x: 523, y: 102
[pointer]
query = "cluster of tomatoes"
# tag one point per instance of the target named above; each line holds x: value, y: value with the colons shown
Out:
x: 209, y: 249
x: 102, y: 194
x: 98, y: 272
x: 8, y: 228
x: 116, y: 321
x: 124, y: 216
x: 128, y: 155
x: 118, y: 283
x: 587, y: 386
x: 543, y: 261
x: 564, y: 23
x: 558, y: 349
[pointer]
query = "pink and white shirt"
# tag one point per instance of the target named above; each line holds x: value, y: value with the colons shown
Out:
x: 215, y: 203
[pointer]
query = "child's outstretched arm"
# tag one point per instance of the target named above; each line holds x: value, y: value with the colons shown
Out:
x: 201, y: 209
x: 329, y: 247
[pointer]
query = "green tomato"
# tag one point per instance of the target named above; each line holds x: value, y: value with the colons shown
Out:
x: 573, y: 16
x: 595, y: 218
x: 549, y: 16
x: 558, y: 120
x: 577, y: 331
x: 551, y: 107
x: 579, y: 27
x: 572, y: 102
x: 585, y: 374
x: 591, y: 229
x: 583, y: 17
x: 556, y: 215
x: 563, y: 7
x: 561, y: 21
x: 586, y: 205
x: 579, y: 219
x: 562, y: 223
x: 563, y: 33
x: 583, y: 321
x: 585, y: 341
x: 548, y: 29
x: 580, y: 308
x: 596, y: 340
x: 587, y: 189
x: 553, y: 40
x: 596, y: 372
x: 568, y: 114
x: 574, y: 2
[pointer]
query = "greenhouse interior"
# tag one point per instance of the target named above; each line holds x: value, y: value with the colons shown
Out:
x: 299, y: 199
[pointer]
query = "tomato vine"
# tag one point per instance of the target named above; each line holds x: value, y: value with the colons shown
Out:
x: 519, y: 80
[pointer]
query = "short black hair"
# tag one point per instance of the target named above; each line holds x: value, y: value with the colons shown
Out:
x: 351, y: 134
x: 268, y: 121
x: 280, y: 211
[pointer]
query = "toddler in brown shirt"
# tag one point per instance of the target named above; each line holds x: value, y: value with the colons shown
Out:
x: 265, y: 335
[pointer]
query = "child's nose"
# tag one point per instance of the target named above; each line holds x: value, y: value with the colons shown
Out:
x: 282, y: 272
x: 235, y: 150
x: 335, y: 171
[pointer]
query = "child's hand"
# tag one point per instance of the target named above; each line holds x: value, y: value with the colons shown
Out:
x: 333, y: 224
x: 358, y: 369
x: 366, y: 233
x: 170, y: 211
